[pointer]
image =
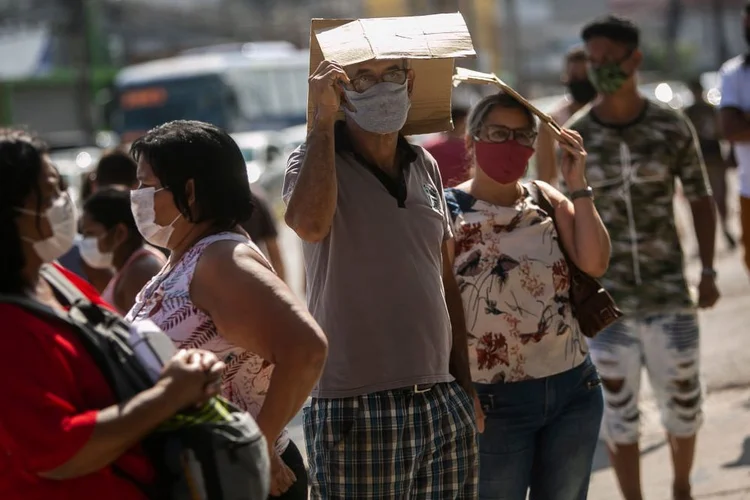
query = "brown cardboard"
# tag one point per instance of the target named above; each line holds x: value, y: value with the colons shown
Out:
x: 431, y: 43
x: 464, y: 75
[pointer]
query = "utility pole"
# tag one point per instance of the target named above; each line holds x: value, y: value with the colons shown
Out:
x: 673, y: 22
x: 79, y: 34
x: 512, y: 45
x: 720, y: 39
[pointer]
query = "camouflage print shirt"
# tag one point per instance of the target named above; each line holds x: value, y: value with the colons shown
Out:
x: 632, y: 169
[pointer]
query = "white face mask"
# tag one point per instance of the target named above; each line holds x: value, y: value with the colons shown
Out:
x: 91, y: 255
x: 142, y: 205
x: 62, y: 220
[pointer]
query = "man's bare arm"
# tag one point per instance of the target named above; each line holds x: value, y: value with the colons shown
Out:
x: 312, y: 203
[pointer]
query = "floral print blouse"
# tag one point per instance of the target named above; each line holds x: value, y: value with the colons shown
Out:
x: 514, y: 283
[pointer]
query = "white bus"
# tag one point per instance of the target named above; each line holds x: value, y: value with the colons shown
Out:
x: 257, y: 87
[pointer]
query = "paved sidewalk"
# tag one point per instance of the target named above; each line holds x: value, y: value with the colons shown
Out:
x: 722, y: 468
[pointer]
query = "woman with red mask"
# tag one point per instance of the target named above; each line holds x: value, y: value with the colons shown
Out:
x: 529, y: 360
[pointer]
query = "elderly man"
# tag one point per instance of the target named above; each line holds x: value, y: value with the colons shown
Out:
x: 392, y: 416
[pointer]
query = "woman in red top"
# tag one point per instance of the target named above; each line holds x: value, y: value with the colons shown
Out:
x: 61, y: 430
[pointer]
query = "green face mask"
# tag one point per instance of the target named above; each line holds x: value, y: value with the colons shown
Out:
x: 607, y: 78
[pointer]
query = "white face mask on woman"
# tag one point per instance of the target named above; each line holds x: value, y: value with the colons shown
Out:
x: 92, y: 256
x: 142, y: 205
x: 62, y: 220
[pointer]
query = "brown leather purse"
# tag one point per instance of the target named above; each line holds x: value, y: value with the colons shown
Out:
x: 592, y: 305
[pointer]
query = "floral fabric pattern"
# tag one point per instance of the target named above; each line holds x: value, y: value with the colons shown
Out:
x: 514, y: 283
x: 165, y: 300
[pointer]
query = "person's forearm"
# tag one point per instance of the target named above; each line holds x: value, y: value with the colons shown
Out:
x: 292, y: 381
x: 591, y: 238
x: 739, y: 135
x: 312, y: 204
x: 274, y: 255
x: 118, y: 428
x: 459, y: 358
x: 704, y: 221
x: 735, y: 125
x: 280, y: 268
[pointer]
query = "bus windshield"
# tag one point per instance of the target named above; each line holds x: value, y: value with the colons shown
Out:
x: 270, y: 98
x: 237, y: 98
x: 147, y: 105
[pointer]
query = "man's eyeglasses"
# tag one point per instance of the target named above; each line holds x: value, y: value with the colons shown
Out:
x: 500, y: 133
x: 363, y: 82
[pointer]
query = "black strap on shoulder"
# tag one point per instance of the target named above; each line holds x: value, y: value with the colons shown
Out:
x: 107, y: 346
x: 72, y: 296
x: 542, y: 199
x: 62, y: 284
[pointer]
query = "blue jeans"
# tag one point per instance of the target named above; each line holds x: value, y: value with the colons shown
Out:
x: 540, y: 435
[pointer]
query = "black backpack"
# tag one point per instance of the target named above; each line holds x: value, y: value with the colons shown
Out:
x: 216, y: 452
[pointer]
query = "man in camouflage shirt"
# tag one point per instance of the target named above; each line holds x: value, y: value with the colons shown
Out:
x: 636, y: 151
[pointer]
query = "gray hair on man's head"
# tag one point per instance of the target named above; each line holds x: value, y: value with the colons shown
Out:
x: 483, y: 108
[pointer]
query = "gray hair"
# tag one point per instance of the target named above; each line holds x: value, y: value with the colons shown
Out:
x: 483, y: 108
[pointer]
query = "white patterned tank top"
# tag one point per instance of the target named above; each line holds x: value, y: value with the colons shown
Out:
x: 166, y: 301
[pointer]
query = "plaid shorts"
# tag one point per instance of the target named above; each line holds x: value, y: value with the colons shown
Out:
x: 394, y: 444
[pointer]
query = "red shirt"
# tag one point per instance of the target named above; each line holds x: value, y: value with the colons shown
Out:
x: 52, y: 393
x: 452, y: 159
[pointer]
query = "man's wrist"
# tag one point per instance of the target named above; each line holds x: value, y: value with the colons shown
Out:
x: 325, y: 118
x: 708, y: 272
x: 577, y: 185
x: 468, y: 386
x: 583, y: 193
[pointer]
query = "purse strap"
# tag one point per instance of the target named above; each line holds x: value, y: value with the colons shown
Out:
x: 540, y: 196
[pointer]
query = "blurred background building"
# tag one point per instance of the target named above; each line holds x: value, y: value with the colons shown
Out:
x: 61, y: 61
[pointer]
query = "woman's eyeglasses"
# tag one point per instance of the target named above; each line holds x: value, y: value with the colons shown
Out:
x: 500, y: 133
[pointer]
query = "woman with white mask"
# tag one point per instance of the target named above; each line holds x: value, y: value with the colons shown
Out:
x: 217, y: 291
x: 111, y: 240
x: 65, y: 434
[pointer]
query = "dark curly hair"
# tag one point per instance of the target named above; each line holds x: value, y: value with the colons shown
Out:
x: 617, y: 29
x: 185, y: 149
x: 110, y: 206
x: 21, y: 163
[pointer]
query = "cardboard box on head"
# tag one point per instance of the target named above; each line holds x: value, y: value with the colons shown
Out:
x: 430, y: 43
x: 464, y: 75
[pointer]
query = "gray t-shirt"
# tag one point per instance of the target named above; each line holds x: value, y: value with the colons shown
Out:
x: 374, y: 284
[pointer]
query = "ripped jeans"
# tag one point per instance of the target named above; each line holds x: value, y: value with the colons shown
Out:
x: 667, y: 344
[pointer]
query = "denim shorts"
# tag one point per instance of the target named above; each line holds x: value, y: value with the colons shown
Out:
x: 668, y: 346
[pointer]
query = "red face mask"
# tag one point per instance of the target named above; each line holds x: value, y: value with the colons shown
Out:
x: 504, y: 162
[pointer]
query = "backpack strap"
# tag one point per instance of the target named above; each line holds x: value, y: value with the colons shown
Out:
x: 102, y: 333
x: 71, y: 295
